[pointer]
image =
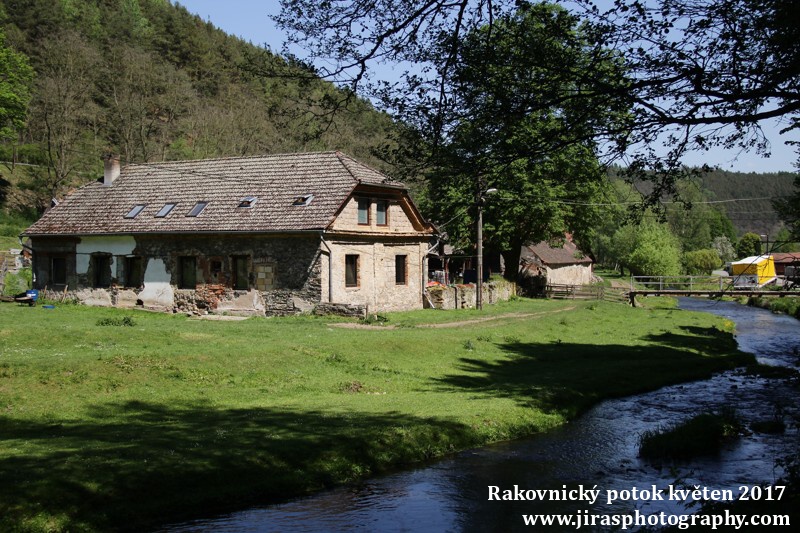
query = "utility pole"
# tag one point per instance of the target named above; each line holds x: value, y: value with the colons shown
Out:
x: 482, y: 194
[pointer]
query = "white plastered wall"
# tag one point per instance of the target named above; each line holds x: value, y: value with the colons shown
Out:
x: 114, y: 245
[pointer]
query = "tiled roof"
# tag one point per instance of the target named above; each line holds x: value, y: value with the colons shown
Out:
x: 786, y: 257
x: 275, y: 180
x: 568, y: 254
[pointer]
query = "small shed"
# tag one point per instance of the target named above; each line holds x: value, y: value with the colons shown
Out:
x: 559, y: 265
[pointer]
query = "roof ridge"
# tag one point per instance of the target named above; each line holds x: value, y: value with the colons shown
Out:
x: 230, y: 158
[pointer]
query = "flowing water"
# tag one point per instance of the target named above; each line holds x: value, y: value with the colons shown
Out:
x: 598, y: 449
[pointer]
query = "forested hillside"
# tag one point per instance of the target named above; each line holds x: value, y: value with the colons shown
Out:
x: 150, y: 81
x: 756, y: 216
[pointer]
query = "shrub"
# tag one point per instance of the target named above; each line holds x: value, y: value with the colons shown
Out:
x: 127, y: 321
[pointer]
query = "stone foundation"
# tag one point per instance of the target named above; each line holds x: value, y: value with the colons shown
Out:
x: 465, y: 296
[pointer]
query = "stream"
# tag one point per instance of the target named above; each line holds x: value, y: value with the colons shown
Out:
x: 599, y: 448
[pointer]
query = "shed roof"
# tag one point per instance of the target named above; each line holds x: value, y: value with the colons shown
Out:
x: 275, y: 182
x: 568, y: 254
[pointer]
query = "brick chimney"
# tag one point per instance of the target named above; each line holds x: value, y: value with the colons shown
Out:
x: 110, y: 169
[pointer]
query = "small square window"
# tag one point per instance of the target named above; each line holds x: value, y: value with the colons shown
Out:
x: 248, y: 202
x: 135, y: 211
x: 166, y: 210
x: 363, y: 211
x: 382, y: 214
x: 197, y: 209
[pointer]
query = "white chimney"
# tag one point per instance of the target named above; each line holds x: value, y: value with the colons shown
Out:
x: 111, y: 169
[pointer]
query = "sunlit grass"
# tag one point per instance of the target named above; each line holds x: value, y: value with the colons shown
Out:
x: 108, y: 421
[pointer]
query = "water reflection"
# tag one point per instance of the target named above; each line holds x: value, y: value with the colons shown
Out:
x: 599, y: 449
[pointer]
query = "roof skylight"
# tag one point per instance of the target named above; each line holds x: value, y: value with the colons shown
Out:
x: 303, y: 200
x: 248, y: 201
x: 166, y: 210
x: 197, y: 209
x: 138, y: 208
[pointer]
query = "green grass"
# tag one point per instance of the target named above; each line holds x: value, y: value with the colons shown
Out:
x: 105, y: 427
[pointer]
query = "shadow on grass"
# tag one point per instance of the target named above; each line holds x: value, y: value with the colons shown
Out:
x: 569, y: 378
x: 137, y: 464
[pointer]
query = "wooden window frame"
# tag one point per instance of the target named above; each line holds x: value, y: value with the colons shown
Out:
x: 368, y: 203
x: 235, y: 280
x: 129, y: 282
x: 356, y: 260
x: 182, y: 282
x: 397, y: 280
x: 52, y: 272
x: 385, y: 203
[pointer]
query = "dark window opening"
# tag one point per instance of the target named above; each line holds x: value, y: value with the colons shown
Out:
x: 166, y: 210
x: 101, y: 271
x: 135, y: 211
x: 303, y: 200
x: 215, y: 267
x: 241, y: 273
x: 382, y: 216
x: 351, y: 271
x: 248, y: 202
x: 134, y: 271
x: 187, y: 270
x: 197, y: 209
x: 363, y: 211
x: 58, y: 271
x: 400, y: 269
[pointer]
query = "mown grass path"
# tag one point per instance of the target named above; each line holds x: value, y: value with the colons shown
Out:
x: 106, y: 426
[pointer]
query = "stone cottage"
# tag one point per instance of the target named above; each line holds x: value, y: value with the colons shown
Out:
x: 542, y: 264
x: 274, y: 234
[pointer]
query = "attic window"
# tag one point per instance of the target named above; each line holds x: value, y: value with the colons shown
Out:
x: 135, y: 211
x: 166, y: 210
x: 303, y: 200
x: 197, y: 209
x: 248, y: 202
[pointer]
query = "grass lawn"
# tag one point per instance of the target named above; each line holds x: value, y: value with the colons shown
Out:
x: 106, y: 425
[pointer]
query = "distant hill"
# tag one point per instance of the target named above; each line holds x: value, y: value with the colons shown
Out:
x: 757, y: 216
x: 150, y: 81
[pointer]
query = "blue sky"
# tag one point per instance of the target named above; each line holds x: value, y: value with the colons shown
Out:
x: 250, y: 20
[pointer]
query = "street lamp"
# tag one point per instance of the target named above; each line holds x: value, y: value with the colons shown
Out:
x: 479, y: 271
x: 766, y: 243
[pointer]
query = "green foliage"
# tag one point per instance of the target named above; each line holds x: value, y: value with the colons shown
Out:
x: 150, y: 81
x: 789, y: 209
x: 701, y: 261
x: 724, y: 248
x: 649, y: 249
x: 748, y: 246
x: 784, y: 242
x: 16, y: 75
x: 546, y: 180
x: 126, y: 321
x: 17, y: 283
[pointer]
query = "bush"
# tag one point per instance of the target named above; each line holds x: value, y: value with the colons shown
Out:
x: 127, y: 321
x: 701, y: 261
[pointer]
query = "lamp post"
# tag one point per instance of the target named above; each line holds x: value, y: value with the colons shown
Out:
x: 479, y: 270
x: 766, y: 244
